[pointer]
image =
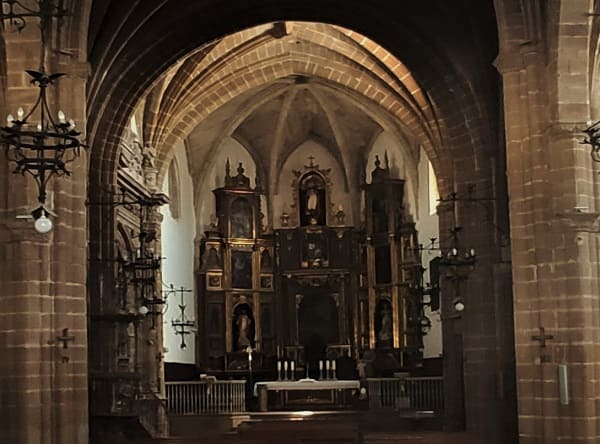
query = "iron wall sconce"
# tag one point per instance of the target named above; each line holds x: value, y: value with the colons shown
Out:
x: 592, y: 139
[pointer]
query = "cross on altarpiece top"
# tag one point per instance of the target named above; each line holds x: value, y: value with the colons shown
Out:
x: 542, y: 337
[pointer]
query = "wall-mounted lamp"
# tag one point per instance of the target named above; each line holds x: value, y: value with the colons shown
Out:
x: 592, y: 139
x: 39, y: 144
x: 458, y: 305
x: 41, y: 219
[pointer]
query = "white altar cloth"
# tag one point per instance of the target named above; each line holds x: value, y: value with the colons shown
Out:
x: 307, y: 384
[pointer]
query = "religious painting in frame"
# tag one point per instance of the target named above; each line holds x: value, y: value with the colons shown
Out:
x: 241, y: 269
x: 241, y: 218
x: 266, y: 281
x: 214, y: 281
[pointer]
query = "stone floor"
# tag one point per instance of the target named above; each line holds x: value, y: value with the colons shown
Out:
x: 334, y: 428
x: 370, y: 438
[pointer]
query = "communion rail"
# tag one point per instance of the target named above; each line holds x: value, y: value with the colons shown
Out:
x: 406, y: 393
x: 206, y: 397
x: 222, y: 397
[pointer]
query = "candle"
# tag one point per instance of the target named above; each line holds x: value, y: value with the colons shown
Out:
x: 285, y: 365
x: 278, y: 366
x: 320, y: 365
x: 333, y: 365
x: 292, y: 365
x: 327, y: 364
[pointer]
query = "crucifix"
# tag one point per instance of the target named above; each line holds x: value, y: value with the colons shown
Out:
x: 65, y: 338
x: 542, y: 337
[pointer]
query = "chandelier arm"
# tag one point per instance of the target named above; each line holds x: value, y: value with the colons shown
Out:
x: 45, y: 110
x: 19, y: 123
x: 43, y: 184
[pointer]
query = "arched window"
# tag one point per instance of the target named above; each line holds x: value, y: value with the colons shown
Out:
x: 434, y: 194
x: 174, y: 193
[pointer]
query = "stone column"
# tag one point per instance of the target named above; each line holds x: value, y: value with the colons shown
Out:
x: 43, y: 386
x: 554, y: 255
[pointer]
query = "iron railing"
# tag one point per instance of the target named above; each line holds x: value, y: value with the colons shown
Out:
x: 206, y: 397
x: 406, y: 393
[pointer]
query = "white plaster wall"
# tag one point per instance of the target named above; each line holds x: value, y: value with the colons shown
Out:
x: 283, y: 197
x: 428, y: 226
x: 177, y: 243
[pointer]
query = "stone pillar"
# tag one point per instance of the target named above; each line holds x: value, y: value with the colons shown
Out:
x: 476, y: 357
x: 43, y: 386
x: 554, y: 255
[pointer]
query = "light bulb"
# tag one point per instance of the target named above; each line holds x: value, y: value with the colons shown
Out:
x: 454, y: 252
x: 10, y: 120
x: 61, y: 117
x: 71, y: 124
x: 143, y: 310
x: 42, y: 224
x: 39, y: 127
x: 459, y: 306
x: 20, y: 113
x: 472, y: 251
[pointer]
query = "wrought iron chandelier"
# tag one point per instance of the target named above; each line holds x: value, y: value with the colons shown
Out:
x: 592, y: 133
x: 455, y: 255
x: 139, y: 268
x: 38, y: 143
x: 143, y: 267
x: 182, y: 325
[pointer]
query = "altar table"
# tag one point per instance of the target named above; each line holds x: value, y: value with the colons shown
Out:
x: 305, y: 393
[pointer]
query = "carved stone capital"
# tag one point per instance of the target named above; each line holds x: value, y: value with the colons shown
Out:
x: 579, y: 221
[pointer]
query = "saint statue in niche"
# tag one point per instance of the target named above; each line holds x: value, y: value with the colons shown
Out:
x: 385, y: 332
x: 243, y: 323
x: 243, y: 327
x: 312, y: 200
x: 384, y: 318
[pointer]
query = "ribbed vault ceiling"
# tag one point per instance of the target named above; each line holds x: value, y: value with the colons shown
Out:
x: 272, y: 119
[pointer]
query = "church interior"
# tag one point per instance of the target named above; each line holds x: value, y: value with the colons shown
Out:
x: 266, y: 221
